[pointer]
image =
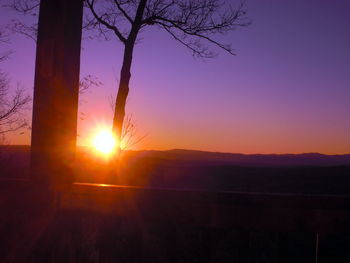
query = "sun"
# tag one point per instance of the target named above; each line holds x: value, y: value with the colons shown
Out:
x: 104, y: 142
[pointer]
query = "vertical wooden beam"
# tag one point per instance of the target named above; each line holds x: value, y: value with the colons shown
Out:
x: 56, y: 89
x: 317, y: 245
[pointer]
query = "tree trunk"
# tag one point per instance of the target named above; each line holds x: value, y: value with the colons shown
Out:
x: 123, y: 91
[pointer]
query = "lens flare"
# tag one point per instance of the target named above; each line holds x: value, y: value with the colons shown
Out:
x: 104, y: 142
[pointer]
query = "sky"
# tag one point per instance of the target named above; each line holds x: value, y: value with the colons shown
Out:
x: 286, y: 91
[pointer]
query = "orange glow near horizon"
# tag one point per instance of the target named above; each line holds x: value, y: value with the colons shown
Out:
x: 104, y: 142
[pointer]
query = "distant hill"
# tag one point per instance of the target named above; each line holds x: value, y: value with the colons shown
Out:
x: 274, y: 173
x: 217, y: 158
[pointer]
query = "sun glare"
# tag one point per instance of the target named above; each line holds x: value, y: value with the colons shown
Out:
x: 104, y: 142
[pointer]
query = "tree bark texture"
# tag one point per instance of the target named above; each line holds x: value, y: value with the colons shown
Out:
x: 56, y: 89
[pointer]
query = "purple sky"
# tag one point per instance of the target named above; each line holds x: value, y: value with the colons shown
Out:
x: 286, y: 91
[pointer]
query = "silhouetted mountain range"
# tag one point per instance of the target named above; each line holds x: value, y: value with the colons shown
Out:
x: 21, y: 153
x: 217, y: 158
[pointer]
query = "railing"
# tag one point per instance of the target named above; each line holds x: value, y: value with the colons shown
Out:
x: 109, y: 223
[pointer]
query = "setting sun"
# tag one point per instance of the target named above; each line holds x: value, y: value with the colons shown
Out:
x: 104, y: 142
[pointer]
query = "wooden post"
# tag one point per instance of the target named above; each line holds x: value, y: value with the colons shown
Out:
x: 56, y: 89
x: 317, y: 244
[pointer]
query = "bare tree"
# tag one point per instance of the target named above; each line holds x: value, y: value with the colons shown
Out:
x: 192, y: 23
x: 11, y: 107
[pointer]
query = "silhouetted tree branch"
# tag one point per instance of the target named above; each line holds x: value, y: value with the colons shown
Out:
x: 25, y: 6
x: 88, y: 82
x: 12, y: 107
x: 130, y: 134
x: 190, y: 22
x: 28, y: 8
x: 30, y: 31
x: 4, y: 39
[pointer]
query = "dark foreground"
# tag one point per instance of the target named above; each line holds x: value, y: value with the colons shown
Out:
x: 296, y: 210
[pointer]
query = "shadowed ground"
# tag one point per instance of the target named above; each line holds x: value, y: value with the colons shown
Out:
x: 35, y: 231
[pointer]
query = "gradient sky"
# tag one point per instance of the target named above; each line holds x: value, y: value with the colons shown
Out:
x: 286, y: 91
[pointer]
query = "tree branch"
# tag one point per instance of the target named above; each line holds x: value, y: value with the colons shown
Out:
x: 24, y: 6
x: 103, y: 22
x: 195, y: 51
x: 123, y: 11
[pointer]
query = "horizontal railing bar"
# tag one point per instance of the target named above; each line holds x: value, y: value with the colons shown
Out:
x: 263, y: 211
x: 338, y: 202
